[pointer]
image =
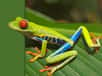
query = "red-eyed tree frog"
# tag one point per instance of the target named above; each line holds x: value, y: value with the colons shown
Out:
x: 48, y: 35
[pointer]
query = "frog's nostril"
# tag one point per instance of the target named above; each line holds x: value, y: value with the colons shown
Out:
x: 23, y: 24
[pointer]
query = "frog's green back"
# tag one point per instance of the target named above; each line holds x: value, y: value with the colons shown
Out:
x: 45, y: 31
x: 38, y: 30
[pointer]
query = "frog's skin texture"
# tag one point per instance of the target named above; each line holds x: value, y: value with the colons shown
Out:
x: 47, y: 35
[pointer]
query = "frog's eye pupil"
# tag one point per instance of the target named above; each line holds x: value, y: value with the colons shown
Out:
x: 23, y: 24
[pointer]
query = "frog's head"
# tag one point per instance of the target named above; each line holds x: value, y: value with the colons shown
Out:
x: 21, y: 25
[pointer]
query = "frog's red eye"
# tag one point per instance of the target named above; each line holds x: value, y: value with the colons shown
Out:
x: 23, y: 24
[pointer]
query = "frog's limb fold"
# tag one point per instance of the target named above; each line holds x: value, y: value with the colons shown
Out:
x: 66, y: 56
x: 39, y: 55
x: 82, y: 30
x: 57, y: 58
x: 91, y: 41
x: 88, y: 39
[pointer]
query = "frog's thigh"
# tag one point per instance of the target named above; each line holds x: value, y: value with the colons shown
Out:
x: 61, y: 56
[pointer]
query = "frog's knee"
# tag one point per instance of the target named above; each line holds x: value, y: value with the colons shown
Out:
x: 82, y: 27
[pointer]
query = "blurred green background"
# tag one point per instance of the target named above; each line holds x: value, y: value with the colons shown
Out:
x: 71, y: 11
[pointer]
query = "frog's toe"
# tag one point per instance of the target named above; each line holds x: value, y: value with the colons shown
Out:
x: 31, y: 53
x: 35, y: 56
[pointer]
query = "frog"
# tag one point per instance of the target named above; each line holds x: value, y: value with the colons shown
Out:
x: 65, y: 53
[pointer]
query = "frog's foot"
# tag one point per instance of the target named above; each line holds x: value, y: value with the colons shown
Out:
x: 95, y: 39
x: 50, y: 70
x: 36, y: 55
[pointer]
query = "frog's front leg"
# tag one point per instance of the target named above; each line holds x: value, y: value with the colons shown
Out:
x: 66, y: 56
x: 40, y: 53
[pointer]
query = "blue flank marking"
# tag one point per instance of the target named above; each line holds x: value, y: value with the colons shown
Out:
x: 37, y: 38
x: 67, y: 46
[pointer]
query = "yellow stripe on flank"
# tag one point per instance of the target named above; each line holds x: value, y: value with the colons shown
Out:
x: 41, y: 35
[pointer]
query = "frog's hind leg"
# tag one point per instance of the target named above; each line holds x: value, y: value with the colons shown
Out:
x: 67, y: 57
